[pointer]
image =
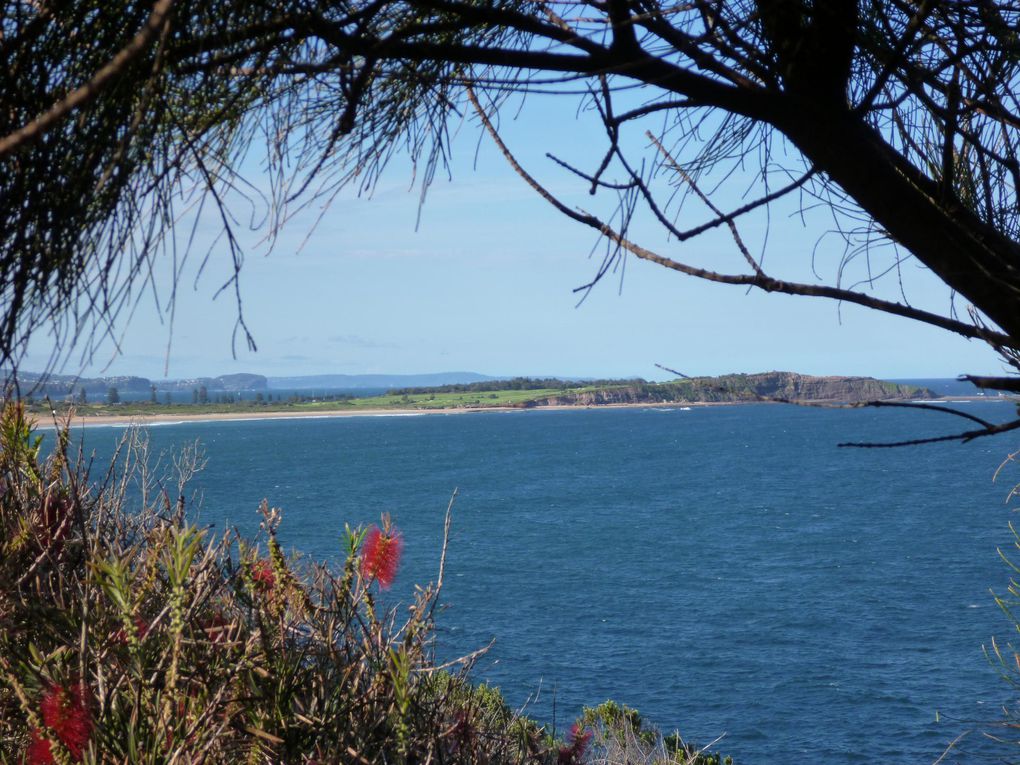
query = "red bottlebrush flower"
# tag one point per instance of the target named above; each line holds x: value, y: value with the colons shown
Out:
x: 39, y: 750
x: 216, y: 628
x: 220, y: 629
x: 462, y: 734
x: 55, y: 516
x: 64, y: 712
x: 573, y: 753
x: 262, y: 575
x: 380, y: 555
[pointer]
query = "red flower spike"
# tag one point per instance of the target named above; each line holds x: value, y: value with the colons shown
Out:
x: 218, y: 628
x: 262, y: 575
x: 39, y: 750
x: 56, y: 522
x: 573, y: 754
x: 64, y: 712
x: 462, y: 734
x: 380, y: 555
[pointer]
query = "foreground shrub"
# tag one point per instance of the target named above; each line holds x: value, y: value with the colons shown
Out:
x: 134, y: 636
x: 613, y: 733
x: 129, y: 635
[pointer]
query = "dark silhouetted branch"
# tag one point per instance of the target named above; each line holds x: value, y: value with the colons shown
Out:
x: 82, y: 95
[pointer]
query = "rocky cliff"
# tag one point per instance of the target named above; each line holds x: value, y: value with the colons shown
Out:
x: 765, y: 386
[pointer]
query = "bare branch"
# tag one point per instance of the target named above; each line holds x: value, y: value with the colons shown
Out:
x: 768, y: 284
x: 994, y: 383
x: 970, y: 435
x: 675, y: 167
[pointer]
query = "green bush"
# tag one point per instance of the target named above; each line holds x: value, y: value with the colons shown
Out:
x: 129, y: 635
x: 619, y: 736
x: 134, y: 636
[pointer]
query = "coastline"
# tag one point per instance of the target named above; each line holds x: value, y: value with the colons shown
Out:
x: 142, y: 420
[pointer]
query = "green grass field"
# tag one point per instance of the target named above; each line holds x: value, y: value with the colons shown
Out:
x: 426, y: 401
x: 457, y: 400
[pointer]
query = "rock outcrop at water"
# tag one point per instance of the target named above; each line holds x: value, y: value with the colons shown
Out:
x: 765, y: 386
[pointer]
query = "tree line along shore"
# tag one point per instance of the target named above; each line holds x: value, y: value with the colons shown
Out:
x: 518, y: 393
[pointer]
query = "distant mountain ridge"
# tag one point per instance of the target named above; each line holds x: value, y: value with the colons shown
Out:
x: 66, y: 385
x: 432, y: 380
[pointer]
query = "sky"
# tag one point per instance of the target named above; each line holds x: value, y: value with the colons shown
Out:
x: 485, y: 282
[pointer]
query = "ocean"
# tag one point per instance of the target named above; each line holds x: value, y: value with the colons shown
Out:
x: 728, y: 571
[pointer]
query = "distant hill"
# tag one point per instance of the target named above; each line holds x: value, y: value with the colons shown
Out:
x: 324, y: 382
x: 763, y: 386
x: 67, y: 385
x: 241, y: 381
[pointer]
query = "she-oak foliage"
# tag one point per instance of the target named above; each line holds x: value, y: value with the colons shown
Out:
x: 899, y: 116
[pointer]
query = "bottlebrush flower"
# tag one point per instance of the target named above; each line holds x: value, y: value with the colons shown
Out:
x: 573, y: 753
x: 63, y: 712
x: 55, y: 515
x: 462, y: 734
x: 39, y: 750
x: 262, y: 575
x: 216, y: 628
x: 380, y: 555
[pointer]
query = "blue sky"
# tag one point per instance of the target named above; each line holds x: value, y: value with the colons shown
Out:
x: 486, y: 284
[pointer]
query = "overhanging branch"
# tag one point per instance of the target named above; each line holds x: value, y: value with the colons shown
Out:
x: 82, y: 95
x: 759, y: 280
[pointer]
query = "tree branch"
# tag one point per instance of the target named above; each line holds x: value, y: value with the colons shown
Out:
x: 761, y: 281
x: 82, y: 95
x: 965, y: 437
x: 994, y: 383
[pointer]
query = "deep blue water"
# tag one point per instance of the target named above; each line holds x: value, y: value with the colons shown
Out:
x: 725, y: 570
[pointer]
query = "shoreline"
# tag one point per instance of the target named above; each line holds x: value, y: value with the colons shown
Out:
x: 114, y: 420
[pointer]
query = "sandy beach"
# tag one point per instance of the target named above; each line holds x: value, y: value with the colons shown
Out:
x: 170, y: 419
x: 175, y: 418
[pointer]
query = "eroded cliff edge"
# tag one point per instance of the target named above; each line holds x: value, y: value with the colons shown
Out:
x: 764, y: 386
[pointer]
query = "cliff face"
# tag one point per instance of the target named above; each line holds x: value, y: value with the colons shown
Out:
x: 626, y: 395
x: 767, y: 386
x: 789, y: 385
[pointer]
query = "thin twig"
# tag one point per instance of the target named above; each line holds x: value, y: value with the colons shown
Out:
x: 447, y: 521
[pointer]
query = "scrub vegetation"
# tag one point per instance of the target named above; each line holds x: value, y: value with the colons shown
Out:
x: 131, y: 635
